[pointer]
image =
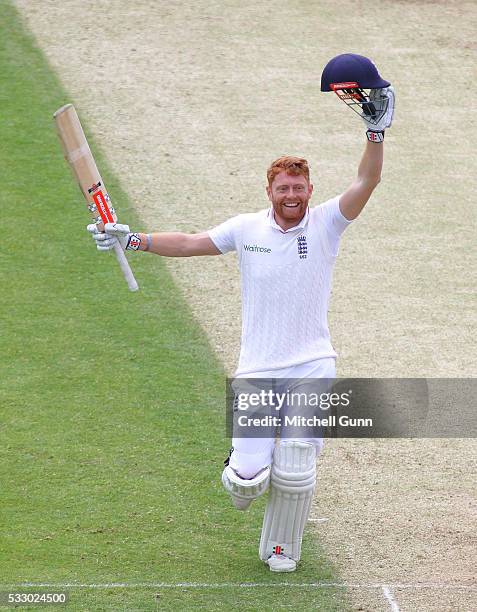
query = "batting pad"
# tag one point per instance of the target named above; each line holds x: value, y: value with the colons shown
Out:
x: 293, y: 481
x: 244, y: 491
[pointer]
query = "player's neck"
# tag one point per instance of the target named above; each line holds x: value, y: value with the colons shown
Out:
x: 286, y: 224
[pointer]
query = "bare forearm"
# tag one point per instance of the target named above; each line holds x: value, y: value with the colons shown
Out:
x: 358, y: 193
x: 177, y: 244
x: 371, y: 164
x: 168, y: 244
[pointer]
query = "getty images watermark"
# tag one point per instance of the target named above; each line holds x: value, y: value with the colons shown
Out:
x: 301, y: 405
x: 352, y: 408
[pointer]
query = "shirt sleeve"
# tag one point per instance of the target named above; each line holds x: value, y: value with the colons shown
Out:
x: 225, y: 235
x: 334, y: 221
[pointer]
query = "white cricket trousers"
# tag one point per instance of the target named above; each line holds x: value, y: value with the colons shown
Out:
x: 251, y: 455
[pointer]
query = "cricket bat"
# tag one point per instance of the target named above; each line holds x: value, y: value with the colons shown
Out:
x: 78, y: 155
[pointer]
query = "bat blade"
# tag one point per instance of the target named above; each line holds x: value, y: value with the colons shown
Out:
x: 81, y: 161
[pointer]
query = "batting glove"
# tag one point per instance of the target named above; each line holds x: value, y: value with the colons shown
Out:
x: 383, y: 102
x: 114, y: 232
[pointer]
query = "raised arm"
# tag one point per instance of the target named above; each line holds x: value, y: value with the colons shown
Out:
x: 377, y: 113
x: 358, y: 193
x: 375, y: 108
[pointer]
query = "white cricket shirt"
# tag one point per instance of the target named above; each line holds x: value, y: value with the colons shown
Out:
x: 286, y: 284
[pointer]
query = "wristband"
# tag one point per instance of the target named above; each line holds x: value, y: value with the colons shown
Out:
x: 133, y: 243
x: 148, y: 242
x: 375, y: 136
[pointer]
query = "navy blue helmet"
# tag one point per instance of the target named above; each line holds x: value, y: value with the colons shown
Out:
x: 354, y: 70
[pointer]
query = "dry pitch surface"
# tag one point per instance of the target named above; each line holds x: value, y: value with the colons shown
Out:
x: 191, y: 101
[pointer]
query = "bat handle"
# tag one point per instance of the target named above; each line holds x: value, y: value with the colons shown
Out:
x: 124, y: 265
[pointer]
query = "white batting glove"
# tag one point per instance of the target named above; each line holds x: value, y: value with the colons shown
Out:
x: 383, y: 101
x: 114, y: 232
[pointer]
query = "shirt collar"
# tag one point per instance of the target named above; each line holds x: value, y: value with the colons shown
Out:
x: 274, y: 224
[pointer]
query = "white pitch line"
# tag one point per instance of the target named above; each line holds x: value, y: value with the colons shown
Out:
x: 392, y: 602
x: 244, y: 585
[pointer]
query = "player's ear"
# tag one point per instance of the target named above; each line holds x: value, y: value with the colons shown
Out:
x: 310, y: 189
x: 269, y: 192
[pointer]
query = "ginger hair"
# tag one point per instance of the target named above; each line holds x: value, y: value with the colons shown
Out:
x: 294, y: 166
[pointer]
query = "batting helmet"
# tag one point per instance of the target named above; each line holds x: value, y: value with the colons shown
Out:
x: 352, y: 68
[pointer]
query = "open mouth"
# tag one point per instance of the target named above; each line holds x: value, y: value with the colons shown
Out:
x: 291, y: 204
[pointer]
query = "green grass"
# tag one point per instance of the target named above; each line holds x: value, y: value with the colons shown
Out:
x: 112, y: 431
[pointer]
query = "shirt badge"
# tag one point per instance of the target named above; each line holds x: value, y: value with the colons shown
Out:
x: 302, y: 247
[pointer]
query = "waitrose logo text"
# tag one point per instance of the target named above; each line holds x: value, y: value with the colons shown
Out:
x: 256, y: 249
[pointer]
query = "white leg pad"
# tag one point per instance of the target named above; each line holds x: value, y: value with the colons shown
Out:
x: 244, y: 491
x: 293, y: 481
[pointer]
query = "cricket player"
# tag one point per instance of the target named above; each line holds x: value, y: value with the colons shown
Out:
x: 286, y: 255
